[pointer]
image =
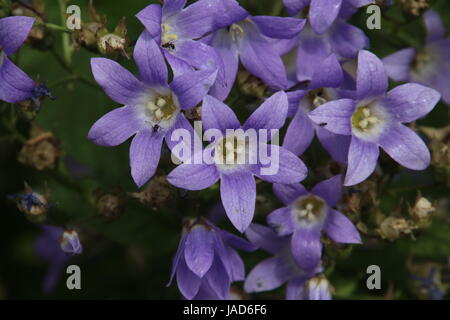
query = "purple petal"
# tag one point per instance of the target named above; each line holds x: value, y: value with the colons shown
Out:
x: 237, y: 242
x: 435, y: 26
x: 260, y: 59
x: 118, y: 83
x: 265, y: 238
x: 187, y: 281
x: 281, y: 221
x: 238, y: 192
x: 267, y: 275
x: 150, y: 17
x: 13, y: 32
x: 115, y: 127
x: 346, y: 39
x: 193, y: 176
x: 398, y: 64
x: 176, y: 259
x: 279, y: 27
x: 337, y: 145
x: 227, y: 50
x: 340, y: 229
x: 322, y: 14
x: 328, y: 75
x: 371, y: 80
x: 362, y: 160
x: 145, y: 151
x: 312, y: 51
x: 299, y: 134
x: 237, y: 270
x: 284, y: 166
x: 330, y: 190
x: 15, y: 85
x: 191, y: 88
x: 217, y: 115
x: 411, y: 101
x: 295, y: 288
x: 295, y: 6
x: 294, y: 99
x: 270, y: 115
x: 335, y: 116
x: 405, y: 147
x: 171, y: 7
x: 306, y: 248
x: 150, y: 61
x: 179, y: 67
x: 218, y: 278
x: 180, y: 123
x: 288, y: 193
x: 199, y: 250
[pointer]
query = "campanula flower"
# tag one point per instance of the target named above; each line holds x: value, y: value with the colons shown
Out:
x: 175, y: 27
x: 430, y: 65
x: 206, y: 261
x: 15, y: 85
x: 324, y: 86
x: 238, y: 185
x: 306, y: 215
x: 251, y: 41
x: 273, y: 272
x: 375, y: 119
x: 152, y: 108
x: 322, y: 13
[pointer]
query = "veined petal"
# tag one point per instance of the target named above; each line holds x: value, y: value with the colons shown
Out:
x: 288, y: 193
x: 281, y: 221
x: 329, y: 190
x: 340, y: 229
x: 337, y: 145
x: 329, y: 74
x: 267, y: 275
x: 115, y: 127
x: 199, y: 250
x: 219, y: 279
x: 279, y: 27
x: 405, y: 147
x: 238, y: 192
x: 15, y: 85
x: 151, y: 18
x: 150, y: 61
x: 193, y: 176
x: 217, y: 115
x: 171, y: 7
x: 335, y: 116
x: 398, y: 65
x: 13, y: 32
x: 294, y: 99
x: 270, y: 115
x: 372, y: 79
x: 322, y: 14
x: 362, y: 160
x: 410, y: 101
x: 145, y: 151
x: 187, y: 281
x: 435, y: 26
x: 346, y: 39
x: 118, y: 83
x: 299, y: 134
x: 295, y: 6
x: 265, y: 238
x: 306, y: 248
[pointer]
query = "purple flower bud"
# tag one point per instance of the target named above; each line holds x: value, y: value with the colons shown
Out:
x: 70, y: 242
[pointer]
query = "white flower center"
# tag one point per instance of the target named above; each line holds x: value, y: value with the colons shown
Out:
x: 369, y: 120
x: 231, y: 150
x: 160, y: 109
x: 236, y: 31
x: 309, y: 210
x: 168, y: 36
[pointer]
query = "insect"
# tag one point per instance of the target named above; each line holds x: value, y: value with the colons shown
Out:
x: 169, y: 45
x: 156, y: 127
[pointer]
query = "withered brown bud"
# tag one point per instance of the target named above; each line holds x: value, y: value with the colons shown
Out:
x: 414, y: 7
x: 393, y: 228
x: 110, y: 206
x: 422, y: 209
x: 250, y: 85
x: 155, y: 193
x: 41, y: 151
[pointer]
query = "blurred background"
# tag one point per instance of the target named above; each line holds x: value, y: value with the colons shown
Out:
x: 130, y: 235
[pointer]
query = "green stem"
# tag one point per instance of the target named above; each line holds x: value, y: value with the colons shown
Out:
x: 67, y: 48
x: 53, y: 26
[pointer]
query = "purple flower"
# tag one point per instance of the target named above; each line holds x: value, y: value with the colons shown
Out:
x: 306, y: 215
x: 430, y: 65
x: 48, y: 247
x: 374, y: 119
x: 206, y: 262
x: 251, y: 41
x: 152, y: 106
x: 238, y: 185
x: 273, y: 272
x: 174, y: 28
x: 322, y: 13
x: 322, y: 87
x: 70, y: 242
x: 15, y: 85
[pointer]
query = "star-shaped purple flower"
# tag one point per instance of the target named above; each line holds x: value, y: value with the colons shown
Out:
x: 429, y: 66
x: 323, y: 87
x: 238, y: 185
x: 206, y: 261
x: 152, y: 108
x: 251, y: 40
x: 306, y: 215
x: 375, y: 119
x: 15, y: 85
x: 273, y: 272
